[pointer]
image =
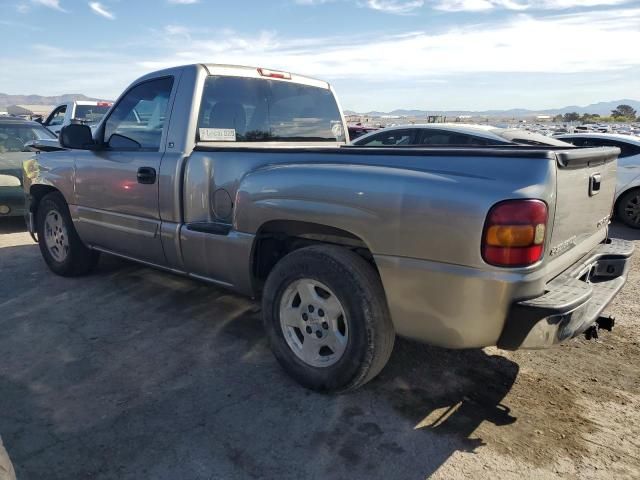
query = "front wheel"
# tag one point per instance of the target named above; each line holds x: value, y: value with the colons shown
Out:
x: 60, y: 246
x: 327, y: 319
x: 629, y: 208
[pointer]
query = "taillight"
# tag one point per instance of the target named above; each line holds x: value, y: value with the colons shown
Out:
x: 265, y: 72
x: 514, y: 233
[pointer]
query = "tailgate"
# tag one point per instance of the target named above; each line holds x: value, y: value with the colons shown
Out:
x: 585, y: 188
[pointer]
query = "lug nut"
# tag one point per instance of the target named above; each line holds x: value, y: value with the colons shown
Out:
x: 305, y: 317
x: 318, y: 334
x: 311, y: 309
x: 320, y: 312
x: 325, y: 325
x: 308, y: 329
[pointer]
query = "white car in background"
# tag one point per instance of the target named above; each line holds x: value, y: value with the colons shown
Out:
x: 453, y: 135
x: 85, y: 112
x: 627, y: 206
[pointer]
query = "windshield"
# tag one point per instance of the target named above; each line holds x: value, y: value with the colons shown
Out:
x: 14, y: 136
x: 90, y: 113
x: 238, y: 109
x: 528, y: 138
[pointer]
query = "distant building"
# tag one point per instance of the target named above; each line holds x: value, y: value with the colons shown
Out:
x: 30, y: 110
x: 544, y: 118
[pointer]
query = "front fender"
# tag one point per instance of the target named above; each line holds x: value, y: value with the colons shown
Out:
x: 52, y: 169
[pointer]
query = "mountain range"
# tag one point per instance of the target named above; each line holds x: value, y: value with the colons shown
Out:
x: 601, y: 108
x: 6, y: 100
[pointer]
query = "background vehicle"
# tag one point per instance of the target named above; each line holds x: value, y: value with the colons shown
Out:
x: 86, y: 112
x: 236, y: 176
x: 356, y: 131
x: 627, y: 202
x: 453, y: 134
x: 15, y: 133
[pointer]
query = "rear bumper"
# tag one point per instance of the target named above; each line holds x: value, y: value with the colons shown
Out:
x: 573, y: 301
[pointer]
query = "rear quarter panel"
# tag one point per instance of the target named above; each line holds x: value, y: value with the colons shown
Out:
x: 430, y: 208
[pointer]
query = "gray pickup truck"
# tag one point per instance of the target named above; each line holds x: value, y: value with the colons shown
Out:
x: 242, y: 177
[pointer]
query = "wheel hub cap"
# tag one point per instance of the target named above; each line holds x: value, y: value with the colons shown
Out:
x: 55, y: 236
x: 632, y: 209
x: 313, y: 322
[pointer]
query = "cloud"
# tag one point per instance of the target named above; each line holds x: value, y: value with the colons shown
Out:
x: 523, y: 43
x: 480, y: 5
x: 398, y: 7
x: 312, y: 2
x: 406, y: 7
x: 178, y: 31
x: 99, y: 9
x: 572, y: 48
x: 55, y: 4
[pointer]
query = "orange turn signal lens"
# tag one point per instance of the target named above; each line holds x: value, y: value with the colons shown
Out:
x: 510, y: 235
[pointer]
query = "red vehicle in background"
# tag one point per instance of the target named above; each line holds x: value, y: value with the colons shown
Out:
x: 357, y: 130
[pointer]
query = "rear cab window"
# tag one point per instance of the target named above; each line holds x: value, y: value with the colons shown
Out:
x: 239, y: 109
x: 90, y: 114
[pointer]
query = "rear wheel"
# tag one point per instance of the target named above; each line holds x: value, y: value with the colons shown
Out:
x: 327, y: 319
x: 628, y: 209
x: 60, y: 245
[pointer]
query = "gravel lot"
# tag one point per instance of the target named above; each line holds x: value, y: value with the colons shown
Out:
x: 131, y: 373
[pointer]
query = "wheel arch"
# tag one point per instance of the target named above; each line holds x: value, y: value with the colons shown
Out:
x: 276, y: 238
x: 37, y: 192
x: 616, y: 204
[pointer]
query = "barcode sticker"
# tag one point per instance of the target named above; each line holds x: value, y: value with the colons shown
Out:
x: 217, y: 134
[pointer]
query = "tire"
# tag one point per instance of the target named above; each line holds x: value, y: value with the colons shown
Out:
x: 61, y: 247
x: 358, y: 331
x: 628, y: 208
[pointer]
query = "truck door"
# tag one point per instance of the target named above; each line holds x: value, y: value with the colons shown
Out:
x: 117, y: 186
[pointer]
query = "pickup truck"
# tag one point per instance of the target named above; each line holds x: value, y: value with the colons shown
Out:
x: 80, y: 111
x: 241, y: 177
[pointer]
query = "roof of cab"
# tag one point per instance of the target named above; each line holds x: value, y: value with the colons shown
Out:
x: 234, y: 71
x: 254, y: 72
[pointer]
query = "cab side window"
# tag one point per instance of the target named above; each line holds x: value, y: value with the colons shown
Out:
x: 57, y: 117
x: 450, y: 138
x: 137, y: 121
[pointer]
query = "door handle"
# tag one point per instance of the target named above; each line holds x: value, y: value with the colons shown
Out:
x: 594, y: 184
x: 146, y: 175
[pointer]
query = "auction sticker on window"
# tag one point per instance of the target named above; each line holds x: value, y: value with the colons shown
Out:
x: 217, y: 134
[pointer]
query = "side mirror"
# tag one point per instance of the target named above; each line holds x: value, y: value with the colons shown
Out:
x: 78, y: 137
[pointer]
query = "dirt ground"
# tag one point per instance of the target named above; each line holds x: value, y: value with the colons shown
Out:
x: 133, y: 373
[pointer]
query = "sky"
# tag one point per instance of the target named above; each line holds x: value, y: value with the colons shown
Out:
x: 378, y: 54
